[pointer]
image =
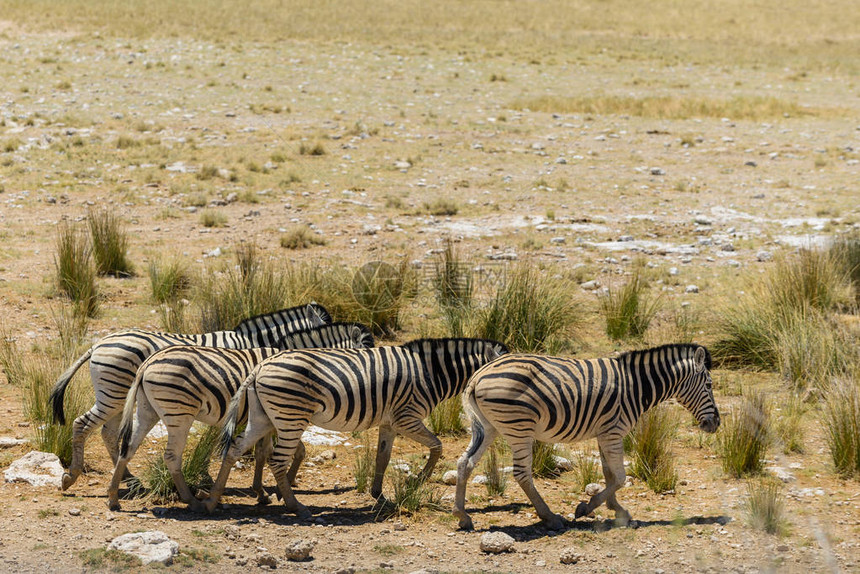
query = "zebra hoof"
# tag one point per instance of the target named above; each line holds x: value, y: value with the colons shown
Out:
x: 68, y: 480
x: 581, y: 510
x: 554, y: 523
x: 113, y: 505
x: 466, y: 523
x: 263, y: 499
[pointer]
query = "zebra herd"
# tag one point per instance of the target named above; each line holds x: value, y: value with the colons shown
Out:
x: 278, y: 373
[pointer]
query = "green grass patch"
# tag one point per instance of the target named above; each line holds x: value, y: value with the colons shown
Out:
x: 102, y: 558
x: 841, y: 419
x: 75, y: 269
x: 212, y: 218
x: 446, y: 419
x: 110, y: 244
x: 650, y: 444
x: 629, y: 309
x: 745, y: 437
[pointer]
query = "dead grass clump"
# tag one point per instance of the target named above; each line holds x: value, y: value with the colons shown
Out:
x: 788, y: 425
x: 75, y: 270
x: 452, y: 283
x: 651, y: 448
x: 446, y: 419
x: 842, y: 423
x: 212, y: 218
x: 169, y: 279
x: 630, y: 309
x: 316, y: 149
x: 497, y: 480
x: 754, y: 108
x: 110, y: 244
x: 586, y: 469
x: 157, y: 482
x: 300, y: 237
x: 544, y: 463
x: 363, y: 464
x: 440, y: 207
x: 745, y: 437
x: 765, y: 507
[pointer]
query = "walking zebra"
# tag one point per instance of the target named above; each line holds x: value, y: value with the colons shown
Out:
x: 179, y: 385
x: 114, y: 361
x: 528, y: 397
x: 394, y: 388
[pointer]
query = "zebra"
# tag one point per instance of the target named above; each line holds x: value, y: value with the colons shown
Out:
x: 115, y: 358
x: 181, y: 384
x: 393, y: 388
x: 552, y: 399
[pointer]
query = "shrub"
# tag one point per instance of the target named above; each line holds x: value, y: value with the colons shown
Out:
x: 586, y: 469
x: 195, y: 468
x: 212, y: 218
x: 788, y: 426
x: 745, y: 438
x: 529, y: 313
x: 410, y: 494
x: 446, y: 418
x: 497, y: 480
x: 543, y: 459
x: 253, y: 286
x: 765, y: 507
x: 363, y: 465
x: 846, y: 251
x: 811, y: 349
x: 842, y: 424
x: 441, y: 207
x: 76, y: 274
x: 316, y: 149
x: 629, y: 310
x: 452, y: 279
x: 300, y: 237
x: 651, y: 446
x: 169, y: 279
x: 110, y: 244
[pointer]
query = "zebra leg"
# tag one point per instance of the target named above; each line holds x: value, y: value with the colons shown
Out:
x: 146, y: 419
x: 414, y: 429
x: 281, y: 461
x: 258, y: 427
x: 383, y: 456
x: 81, y: 429
x: 612, y: 460
x: 522, y: 451
x: 262, y: 452
x: 110, y: 436
x: 482, y: 438
x: 298, y: 457
x: 177, y: 436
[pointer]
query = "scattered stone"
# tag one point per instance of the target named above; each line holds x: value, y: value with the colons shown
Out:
x: 727, y: 247
x: 214, y: 253
x: 450, y: 477
x: 402, y: 164
x: 264, y: 559
x: 36, y: 468
x: 702, y: 220
x: 7, y: 441
x: 74, y: 512
x: 569, y: 555
x: 425, y: 571
x: 299, y: 550
x: 673, y: 270
x: 657, y: 171
x: 562, y: 464
x: 480, y: 479
x: 691, y: 289
x: 399, y: 526
x: 232, y: 197
x: 496, y: 542
x: 591, y: 285
x: 592, y: 489
x: 558, y: 240
x: 782, y: 548
x: 625, y: 238
x: 781, y: 473
x: 764, y: 256
x: 241, y: 560
x: 324, y: 456
x: 750, y: 164
x: 347, y: 570
x: 502, y: 257
x: 151, y: 546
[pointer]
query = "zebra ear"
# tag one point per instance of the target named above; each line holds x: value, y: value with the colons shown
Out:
x: 699, y: 359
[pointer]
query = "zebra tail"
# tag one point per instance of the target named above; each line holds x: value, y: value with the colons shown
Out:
x: 59, y: 390
x: 127, y: 424
x: 476, y: 418
x: 231, y: 421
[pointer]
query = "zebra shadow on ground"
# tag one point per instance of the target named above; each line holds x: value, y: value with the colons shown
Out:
x: 524, y: 533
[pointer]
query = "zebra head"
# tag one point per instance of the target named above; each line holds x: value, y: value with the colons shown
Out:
x: 696, y: 391
x: 361, y: 336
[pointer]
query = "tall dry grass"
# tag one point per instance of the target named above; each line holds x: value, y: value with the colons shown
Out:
x: 109, y: 243
x: 75, y: 269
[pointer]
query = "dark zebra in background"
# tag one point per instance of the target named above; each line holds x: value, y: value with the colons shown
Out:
x: 529, y: 397
x: 393, y: 388
x: 179, y: 385
x: 114, y: 360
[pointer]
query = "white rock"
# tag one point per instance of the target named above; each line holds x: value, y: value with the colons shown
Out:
x: 781, y: 473
x: 592, y: 489
x: 320, y: 436
x: 152, y: 546
x: 657, y: 171
x: 496, y: 542
x: 264, y: 558
x: 764, y: 256
x: 7, y: 441
x: 673, y: 270
x: 562, y: 464
x: 591, y: 285
x: 691, y: 289
x: 214, y: 253
x: 702, y: 220
x: 300, y: 549
x: 36, y: 468
x: 450, y: 477
x: 479, y: 479
x: 569, y: 555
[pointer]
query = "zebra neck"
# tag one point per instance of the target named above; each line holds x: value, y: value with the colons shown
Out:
x: 650, y: 378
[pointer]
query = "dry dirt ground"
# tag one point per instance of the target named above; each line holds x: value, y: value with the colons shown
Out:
x: 137, y: 125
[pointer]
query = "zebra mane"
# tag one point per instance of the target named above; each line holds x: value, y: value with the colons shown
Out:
x: 366, y: 336
x: 416, y: 344
x: 301, y: 310
x: 682, y: 347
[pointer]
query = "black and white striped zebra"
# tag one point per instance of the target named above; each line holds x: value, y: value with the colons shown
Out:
x: 115, y: 358
x: 529, y: 397
x: 393, y: 388
x: 181, y: 384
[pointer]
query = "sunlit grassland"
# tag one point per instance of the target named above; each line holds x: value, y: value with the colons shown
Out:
x: 816, y: 36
